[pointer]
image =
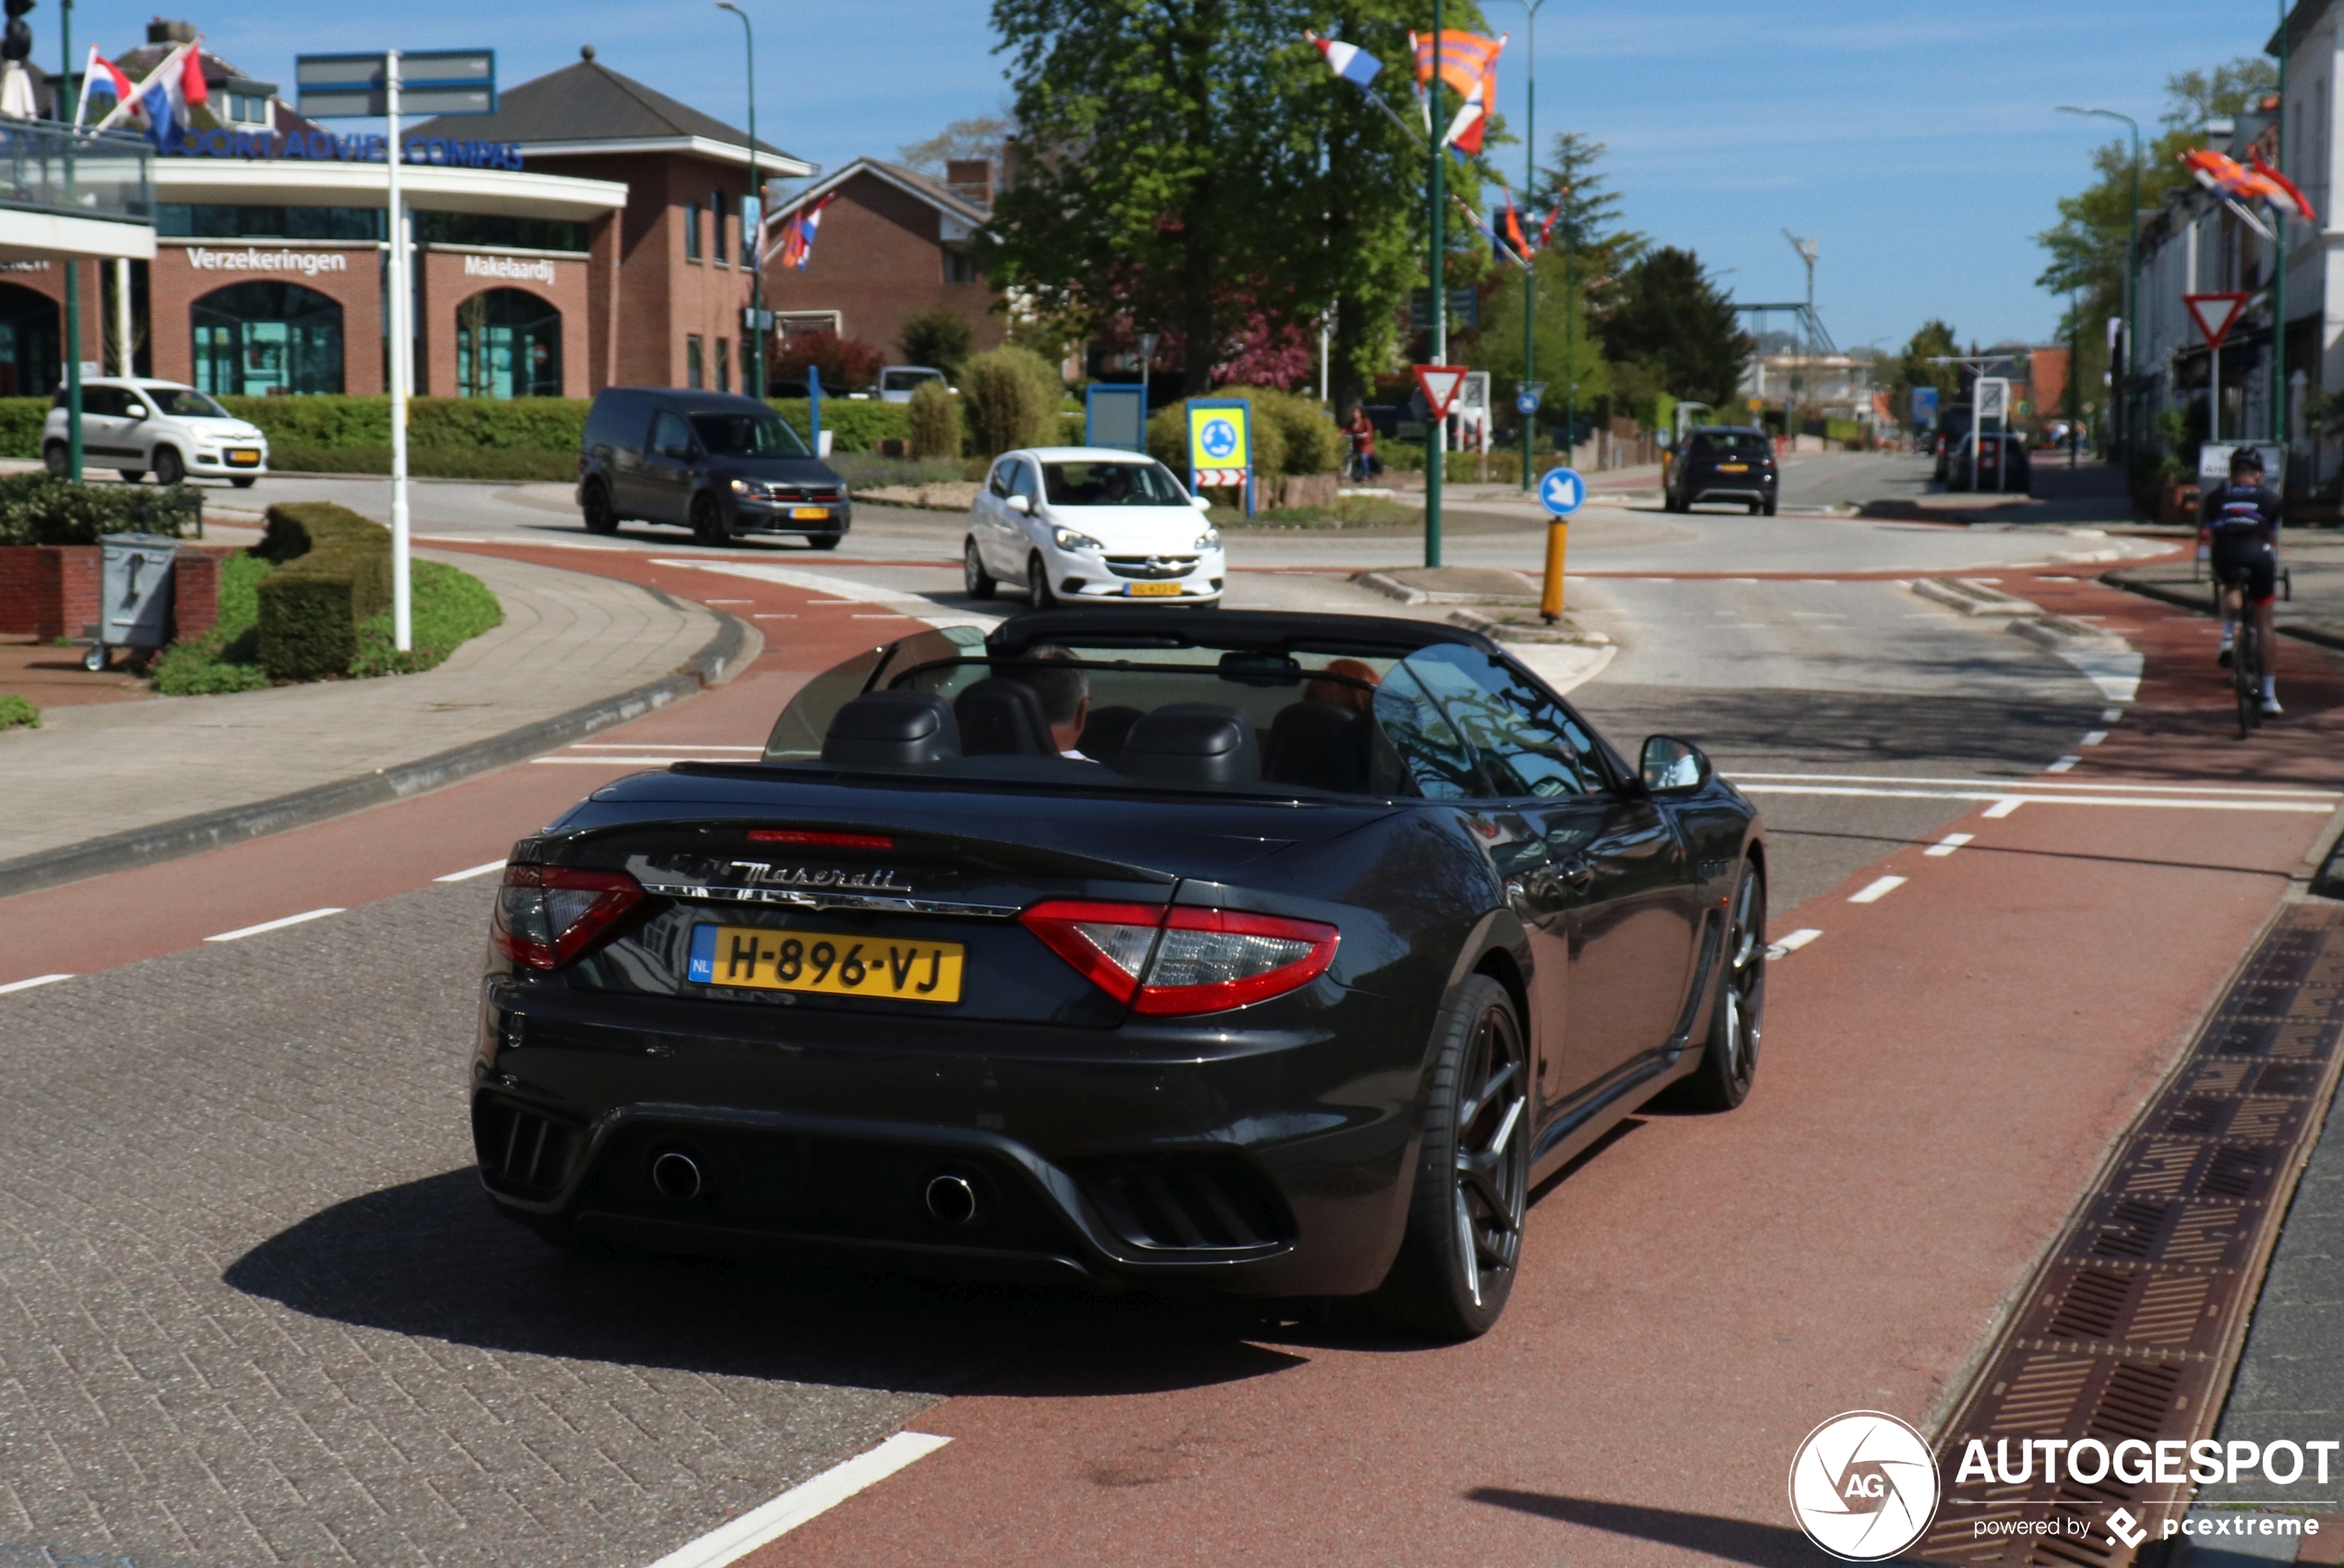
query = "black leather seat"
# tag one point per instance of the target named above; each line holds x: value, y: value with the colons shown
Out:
x: 892, y: 729
x: 1321, y: 745
x: 1105, y: 733
x: 1193, y: 743
x: 1002, y: 718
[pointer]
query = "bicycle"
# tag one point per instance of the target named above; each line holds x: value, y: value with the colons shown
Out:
x: 2246, y: 654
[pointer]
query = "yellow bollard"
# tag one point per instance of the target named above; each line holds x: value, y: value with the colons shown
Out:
x: 1550, y: 602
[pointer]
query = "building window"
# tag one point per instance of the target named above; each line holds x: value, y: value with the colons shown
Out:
x: 959, y: 267
x: 694, y: 377
x: 751, y: 239
x: 716, y: 248
x: 219, y: 221
x: 724, y: 365
x: 29, y: 364
x: 691, y: 231
x: 253, y: 339
x: 509, y: 344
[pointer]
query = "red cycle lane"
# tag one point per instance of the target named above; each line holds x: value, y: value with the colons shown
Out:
x: 1946, y: 1066
x: 104, y: 921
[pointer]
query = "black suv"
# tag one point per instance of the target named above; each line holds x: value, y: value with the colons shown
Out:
x: 1723, y: 462
x: 720, y: 464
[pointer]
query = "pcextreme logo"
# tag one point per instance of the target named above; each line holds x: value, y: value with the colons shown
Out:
x: 1863, y: 1486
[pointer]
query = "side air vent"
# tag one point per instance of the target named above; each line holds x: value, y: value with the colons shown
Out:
x: 1193, y: 1205
x: 521, y: 1148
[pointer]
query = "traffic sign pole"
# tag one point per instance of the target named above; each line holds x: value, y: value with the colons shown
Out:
x: 1436, y: 433
x: 402, y: 596
x: 1561, y: 492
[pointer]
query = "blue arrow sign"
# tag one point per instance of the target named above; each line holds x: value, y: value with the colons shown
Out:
x: 1525, y: 403
x: 1562, y: 491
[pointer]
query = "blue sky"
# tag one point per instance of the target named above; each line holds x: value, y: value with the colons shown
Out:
x: 1916, y: 142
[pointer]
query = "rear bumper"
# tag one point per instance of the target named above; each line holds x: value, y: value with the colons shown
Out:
x: 1729, y: 488
x: 1274, y: 1161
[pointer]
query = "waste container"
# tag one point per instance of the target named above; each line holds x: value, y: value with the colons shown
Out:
x: 135, y: 587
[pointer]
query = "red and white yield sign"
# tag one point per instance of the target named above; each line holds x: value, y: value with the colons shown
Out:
x: 1439, y: 383
x: 2214, y: 314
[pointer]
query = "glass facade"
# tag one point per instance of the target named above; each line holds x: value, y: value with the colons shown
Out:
x: 509, y: 344
x: 258, y: 338
x: 183, y: 221
x: 31, y: 365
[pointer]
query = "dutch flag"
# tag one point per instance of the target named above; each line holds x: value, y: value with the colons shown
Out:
x: 171, y: 92
x: 1350, y: 62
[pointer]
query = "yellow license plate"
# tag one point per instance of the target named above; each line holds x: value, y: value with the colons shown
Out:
x: 1153, y: 590
x: 243, y: 457
x: 808, y: 514
x: 764, y: 959
x: 1733, y: 468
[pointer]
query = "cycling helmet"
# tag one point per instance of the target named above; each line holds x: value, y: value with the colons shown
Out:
x: 2247, y: 460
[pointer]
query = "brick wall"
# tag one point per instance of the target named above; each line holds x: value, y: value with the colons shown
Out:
x: 349, y: 274
x: 878, y: 258
x: 446, y: 285
x: 195, y: 590
x: 49, y: 590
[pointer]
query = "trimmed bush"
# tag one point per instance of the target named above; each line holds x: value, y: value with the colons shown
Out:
x: 20, y: 422
x: 429, y: 462
x: 935, y: 420
x: 855, y: 426
x: 19, y: 712
x: 333, y: 573
x: 1291, y: 434
x: 939, y: 337
x: 541, y: 424
x: 38, y: 509
x: 1011, y: 395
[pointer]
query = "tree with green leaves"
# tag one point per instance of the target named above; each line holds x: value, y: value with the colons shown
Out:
x: 1569, y: 354
x: 1673, y: 320
x: 2088, y: 246
x: 1912, y: 367
x: 1587, y: 227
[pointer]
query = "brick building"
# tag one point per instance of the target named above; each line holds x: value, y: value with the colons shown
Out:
x: 890, y: 243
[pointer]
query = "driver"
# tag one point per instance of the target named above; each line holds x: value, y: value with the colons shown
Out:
x: 1056, y: 678
x: 1117, y: 483
x: 2242, y: 518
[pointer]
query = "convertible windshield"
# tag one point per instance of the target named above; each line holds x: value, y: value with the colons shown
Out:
x: 185, y: 402
x: 747, y: 435
x: 1111, y: 484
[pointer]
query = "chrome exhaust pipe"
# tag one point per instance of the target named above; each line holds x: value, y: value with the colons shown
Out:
x: 678, y: 1176
x: 952, y: 1200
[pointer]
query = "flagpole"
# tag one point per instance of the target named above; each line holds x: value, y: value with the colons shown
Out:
x: 73, y: 286
x: 401, y: 579
x: 1436, y: 432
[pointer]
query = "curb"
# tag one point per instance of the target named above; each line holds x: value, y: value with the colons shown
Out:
x: 2196, y: 601
x: 213, y: 830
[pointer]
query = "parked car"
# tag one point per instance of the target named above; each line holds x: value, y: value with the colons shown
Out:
x: 1082, y: 524
x: 898, y: 382
x: 1952, y: 428
x: 139, y: 426
x: 1724, y: 462
x: 717, y: 464
x: 1338, y: 935
x: 2001, y: 463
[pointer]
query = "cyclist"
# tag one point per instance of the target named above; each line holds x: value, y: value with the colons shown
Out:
x: 2242, y: 518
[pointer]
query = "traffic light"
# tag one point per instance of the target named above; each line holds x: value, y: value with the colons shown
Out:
x: 18, y: 43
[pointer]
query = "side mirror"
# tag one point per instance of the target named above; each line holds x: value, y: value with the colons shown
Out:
x: 1202, y: 502
x: 1019, y: 503
x: 1669, y: 764
x: 136, y: 410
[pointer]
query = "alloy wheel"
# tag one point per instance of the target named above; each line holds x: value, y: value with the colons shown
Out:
x: 1037, y: 584
x: 1492, y: 1159
x: 1744, y: 994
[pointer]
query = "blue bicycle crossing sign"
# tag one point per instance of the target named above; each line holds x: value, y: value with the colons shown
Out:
x: 1562, y: 491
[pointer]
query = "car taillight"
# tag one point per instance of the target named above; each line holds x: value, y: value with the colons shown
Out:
x: 1178, y: 961
x: 548, y: 915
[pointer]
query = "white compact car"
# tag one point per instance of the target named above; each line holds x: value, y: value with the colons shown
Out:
x: 1079, y: 524
x: 139, y: 426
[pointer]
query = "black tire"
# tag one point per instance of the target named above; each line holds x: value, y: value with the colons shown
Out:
x: 1755, y: 508
x: 1737, y: 1017
x: 1464, y: 1239
x: 131, y: 475
x: 1770, y: 509
x: 170, y: 466
x: 824, y: 540
x: 1037, y: 583
x: 595, y: 508
x: 56, y: 457
x: 244, y: 481
x: 708, y: 522
x: 974, y: 576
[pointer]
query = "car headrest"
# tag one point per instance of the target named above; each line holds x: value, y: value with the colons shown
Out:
x: 1105, y: 733
x: 999, y: 717
x: 1193, y: 743
x: 892, y: 729
x: 1319, y: 744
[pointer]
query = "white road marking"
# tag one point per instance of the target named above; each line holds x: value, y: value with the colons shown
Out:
x: 2093, y: 737
x: 2006, y: 786
x: 728, y: 601
x: 843, y: 591
x: 272, y: 925
x: 36, y: 980
x: 646, y: 761
x: 2111, y: 715
x: 468, y: 875
x: 2009, y: 800
x: 1876, y: 890
x: 2062, y: 765
x: 733, y: 1542
x: 1792, y: 942
x: 1947, y: 844
x: 2001, y: 808
x: 775, y: 618
x: 659, y: 745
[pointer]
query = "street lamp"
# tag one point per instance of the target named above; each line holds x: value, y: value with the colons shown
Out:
x: 752, y: 241
x: 1529, y: 188
x: 2132, y: 272
x: 1807, y: 249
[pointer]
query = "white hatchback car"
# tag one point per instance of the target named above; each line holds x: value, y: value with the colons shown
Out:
x: 141, y: 427
x: 1078, y: 524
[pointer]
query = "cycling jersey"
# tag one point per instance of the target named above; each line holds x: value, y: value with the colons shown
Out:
x: 2236, y: 510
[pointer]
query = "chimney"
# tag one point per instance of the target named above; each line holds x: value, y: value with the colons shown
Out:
x: 162, y: 32
x: 970, y: 179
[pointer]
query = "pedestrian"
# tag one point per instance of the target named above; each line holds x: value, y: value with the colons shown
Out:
x: 1361, y: 431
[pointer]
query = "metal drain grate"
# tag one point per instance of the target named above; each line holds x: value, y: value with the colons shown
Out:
x: 2133, y: 1326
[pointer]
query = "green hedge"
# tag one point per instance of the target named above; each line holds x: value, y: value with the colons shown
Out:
x: 854, y: 426
x: 333, y: 574
x: 20, y: 422
x: 429, y: 462
x: 36, y: 509
x: 545, y: 424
